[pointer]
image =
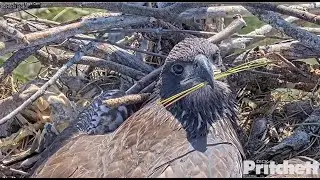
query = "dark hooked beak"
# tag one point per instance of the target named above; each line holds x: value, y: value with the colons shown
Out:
x: 203, y: 72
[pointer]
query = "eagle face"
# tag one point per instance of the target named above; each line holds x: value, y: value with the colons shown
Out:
x: 189, y: 63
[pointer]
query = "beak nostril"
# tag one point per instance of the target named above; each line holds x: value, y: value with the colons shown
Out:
x: 196, y: 65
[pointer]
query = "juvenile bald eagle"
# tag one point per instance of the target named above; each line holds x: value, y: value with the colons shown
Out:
x: 194, y: 137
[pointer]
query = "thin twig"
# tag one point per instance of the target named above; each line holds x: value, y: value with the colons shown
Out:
x: 290, y: 64
x: 129, y: 40
x: 14, y: 170
x: 36, y: 26
x: 45, y: 21
x: 157, y: 30
x: 266, y: 73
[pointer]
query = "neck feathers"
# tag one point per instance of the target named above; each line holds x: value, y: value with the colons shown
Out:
x: 198, y: 111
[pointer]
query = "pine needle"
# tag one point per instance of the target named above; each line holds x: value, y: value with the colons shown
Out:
x: 182, y: 94
x: 245, y: 66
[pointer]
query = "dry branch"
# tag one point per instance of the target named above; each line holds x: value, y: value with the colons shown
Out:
x: 12, y: 32
x: 160, y: 31
x: 232, y: 28
x: 144, y: 82
x: 27, y: 22
x: 267, y: 30
x: 306, y: 38
x: 216, y: 11
x: 66, y: 31
x: 287, y: 11
x: 149, y: 88
x: 230, y: 11
x: 241, y: 43
x: 179, y: 31
x: 290, y: 50
x: 92, y: 61
x: 312, y: 30
x: 107, y: 51
x: 290, y: 64
x: 2, y: 167
x: 121, y: 46
x: 267, y: 74
x: 129, y: 40
x: 11, y: 63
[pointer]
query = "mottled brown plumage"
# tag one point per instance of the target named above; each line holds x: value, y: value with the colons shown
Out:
x: 195, y: 137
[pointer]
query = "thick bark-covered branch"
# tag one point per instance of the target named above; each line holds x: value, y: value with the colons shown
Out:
x: 287, y: 11
x: 306, y: 38
x: 11, y: 63
x: 230, y: 11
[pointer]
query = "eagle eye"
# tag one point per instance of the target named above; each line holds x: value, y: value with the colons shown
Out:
x: 177, y: 69
x: 215, y: 57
